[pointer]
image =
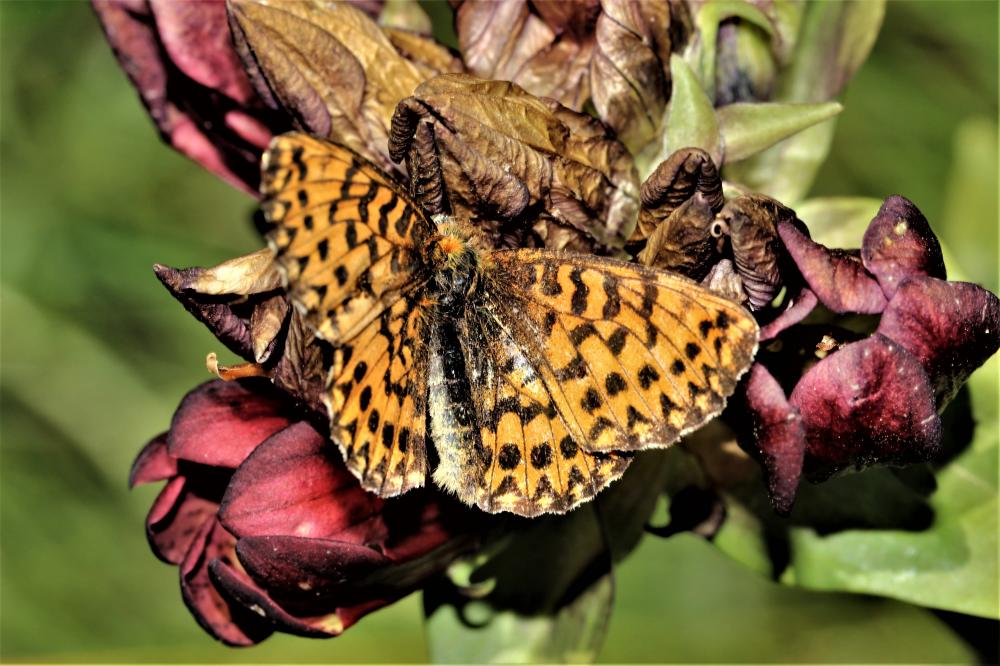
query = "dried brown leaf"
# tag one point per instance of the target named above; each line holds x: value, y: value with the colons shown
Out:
x: 527, y: 170
x: 630, y: 69
x: 675, y: 180
x: 760, y: 256
x: 545, y: 47
x: 329, y: 66
x: 253, y: 273
x: 266, y: 322
x: 684, y: 242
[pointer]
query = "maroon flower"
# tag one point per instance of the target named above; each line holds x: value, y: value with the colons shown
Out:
x: 269, y: 529
x: 180, y: 58
x: 868, y: 400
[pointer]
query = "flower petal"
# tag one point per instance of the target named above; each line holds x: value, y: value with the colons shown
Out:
x: 798, y: 310
x: 231, y: 623
x: 899, y: 244
x: 237, y: 587
x: 870, y: 402
x: 153, y: 463
x: 951, y: 327
x: 779, y: 435
x: 296, y: 484
x: 837, y: 277
x: 220, y: 423
x: 321, y: 574
x: 174, y: 519
x: 180, y: 58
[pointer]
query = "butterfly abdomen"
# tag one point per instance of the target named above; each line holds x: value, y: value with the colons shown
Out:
x: 451, y: 414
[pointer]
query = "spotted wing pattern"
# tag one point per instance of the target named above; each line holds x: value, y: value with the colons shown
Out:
x: 348, y: 240
x: 529, y: 462
x: 632, y: 357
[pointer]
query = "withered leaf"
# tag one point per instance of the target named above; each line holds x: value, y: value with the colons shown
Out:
x: 684, y: 242
x: 429, y: 57
x: 630, y: 70
x: 252, y: 273
x: 529, y: 171
x: 329, y: 66
x: 545, y: 47
x: 227, y: 298
x: 675, y: 180
x: 242, y: 303
x: 760, y: 256
x: 298, y: 369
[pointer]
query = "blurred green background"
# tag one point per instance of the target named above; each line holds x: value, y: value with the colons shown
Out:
x: 96, y: 356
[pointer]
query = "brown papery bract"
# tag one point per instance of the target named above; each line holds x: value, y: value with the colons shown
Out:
x: 332, y: 68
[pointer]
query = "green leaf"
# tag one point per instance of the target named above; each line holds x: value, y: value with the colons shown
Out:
x: 681, y: 601
x: 749, y: 128
x: 690, y: 119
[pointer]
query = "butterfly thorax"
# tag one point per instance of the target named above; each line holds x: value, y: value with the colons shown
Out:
x: 453, y: 259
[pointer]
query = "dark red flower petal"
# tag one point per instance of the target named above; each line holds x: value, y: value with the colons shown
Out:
x: 296, y: 484
x: 899, y: 244
x: 319, y: 575
x: 180, y: 58
x: 951, y: 327
x: 153, y: 463
x: 233, y: 624
x: 779, y: 435
x: 800, y: 307
x: 220, y: 423
x: 242, y: 592
x: 175, y: 518
x: 869, y: 402
x: 837, y: 277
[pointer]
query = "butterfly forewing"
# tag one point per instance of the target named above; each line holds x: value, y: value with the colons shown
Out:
x: 345, y: 234
x: 348, y: 241
x: 632, y: 357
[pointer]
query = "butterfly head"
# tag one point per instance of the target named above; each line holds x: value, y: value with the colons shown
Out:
x: 454, y: 262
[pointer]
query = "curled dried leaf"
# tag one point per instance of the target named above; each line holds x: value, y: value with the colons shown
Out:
x: 684, y: 242
x: 331, y: 67
x: 298, y: 370
x: 242, y: 302
x: 676, y: 179
x: 528, y: 171
x: 265, y: 325
x: 253, y: 273
x: 751, y: 222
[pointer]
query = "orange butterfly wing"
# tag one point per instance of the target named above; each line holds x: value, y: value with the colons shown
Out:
x: 347, y: 239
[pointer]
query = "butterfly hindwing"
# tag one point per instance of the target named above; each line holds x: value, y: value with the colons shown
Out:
x: 632, y: 357
x: 520, y: 456
x: 347, y: 239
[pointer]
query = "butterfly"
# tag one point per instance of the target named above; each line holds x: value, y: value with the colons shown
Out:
x: 519, y: 380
